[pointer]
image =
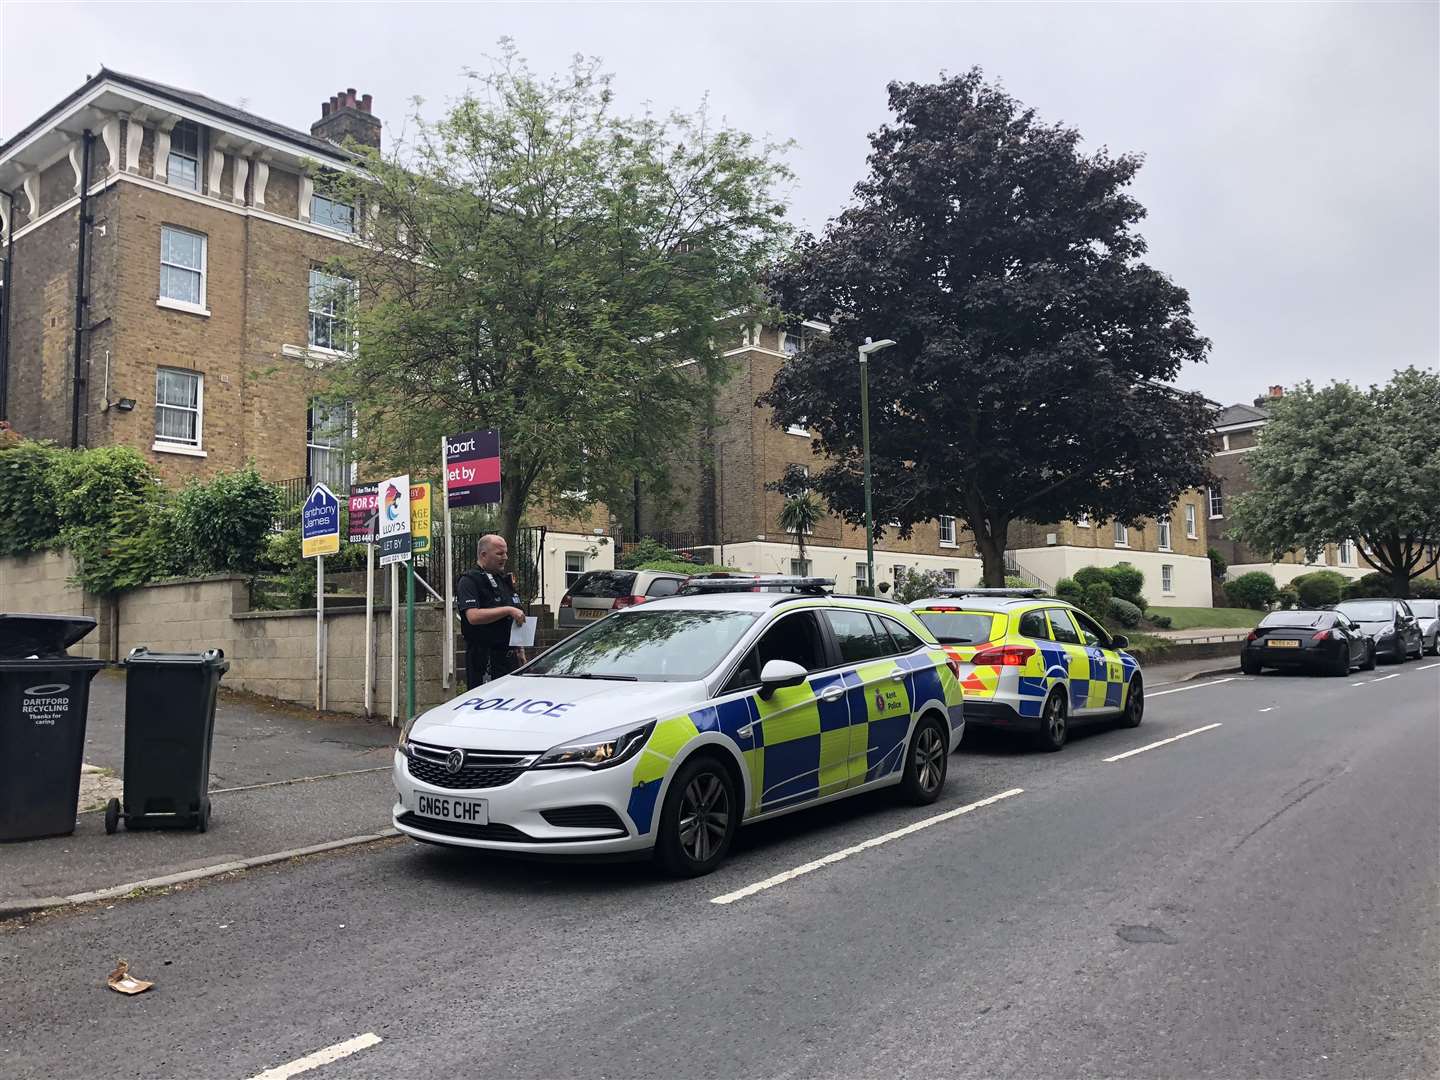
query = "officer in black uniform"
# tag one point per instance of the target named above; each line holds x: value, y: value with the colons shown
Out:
x: 489, y: 604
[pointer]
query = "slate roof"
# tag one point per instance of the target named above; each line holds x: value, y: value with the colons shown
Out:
x: 1240, y: 414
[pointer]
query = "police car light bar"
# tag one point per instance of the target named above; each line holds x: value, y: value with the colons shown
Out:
x: 1023, y: 593
x: 758, y: 581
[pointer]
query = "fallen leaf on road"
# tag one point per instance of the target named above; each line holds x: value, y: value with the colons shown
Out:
x: 122, y: 981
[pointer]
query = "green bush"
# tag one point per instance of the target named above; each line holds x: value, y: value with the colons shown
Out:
x: 1287, y: 598
x: 1254, y: 590
x: 223, y: 523
x: 1160, y: 622
x: 647, y: 550
x: 1090, y: 575
x: 1126, y: 581
x: 674, y: 566
x: 920, y: 584
x: 1070, y: 590
x: 112, y: 517
x: 33, y: 522
x: 1424, y: 589
x: 1381, y: 585
x: 1321, y: 588
x: 1124, y: 612
x: 1218, y: 565
x: 1097, y: 599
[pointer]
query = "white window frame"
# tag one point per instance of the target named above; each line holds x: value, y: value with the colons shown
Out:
x: 194, y: 161
x: 1214, y: 496
x: 1167, y: 579
x: 345, y: 448
x: 168, y: 444
x: 801, y: 428
x: 1225, y: 442
x: 952, y: 577
x: 328, y: 221
x: 1122, y: 534
x: 1164, y: 529
x: 862, y: 575
x: 572, y: 576
x: 801, y: 567
x: 348, y: 319
x: 1347, y: 552
x: 164, y: 301
x: 951, y: 542
x: 787, y: 336
x: 1191, y: 531
x: 1083, y: 521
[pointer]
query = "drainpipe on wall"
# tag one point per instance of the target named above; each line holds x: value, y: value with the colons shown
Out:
x: 6, y: 293
x: 81, y: 299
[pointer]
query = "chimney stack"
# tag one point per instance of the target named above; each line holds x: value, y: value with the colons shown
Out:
x: 345, y: 116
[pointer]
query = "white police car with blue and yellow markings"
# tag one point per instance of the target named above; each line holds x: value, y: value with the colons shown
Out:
x: 666, y: 726
x: 1033, y: 664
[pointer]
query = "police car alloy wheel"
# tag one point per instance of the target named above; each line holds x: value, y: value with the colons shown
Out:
x: 925, y: 763
x: 699, y: 819
x: 1054, y: 723
x: 1135, y: 702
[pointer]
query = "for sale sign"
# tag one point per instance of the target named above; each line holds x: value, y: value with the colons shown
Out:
x: 472, y: 468
x: 419, y: 518
x: 320, y: 523
x: 364, y: 502
x: 393, y: 525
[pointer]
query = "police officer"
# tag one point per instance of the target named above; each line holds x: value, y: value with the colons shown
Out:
x: 488, y: 603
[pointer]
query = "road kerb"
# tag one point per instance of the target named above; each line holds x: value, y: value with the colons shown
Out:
x: 9, y: 909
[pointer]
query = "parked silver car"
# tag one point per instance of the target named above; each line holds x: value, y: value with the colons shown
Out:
x: 596, y: 593
x: 1428, y: 612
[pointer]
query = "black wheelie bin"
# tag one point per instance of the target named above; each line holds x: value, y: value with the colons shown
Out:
x: 169, y: 727
x: 44, y: 701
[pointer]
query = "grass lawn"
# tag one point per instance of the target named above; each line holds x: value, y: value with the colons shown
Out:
x: 1190, y: 618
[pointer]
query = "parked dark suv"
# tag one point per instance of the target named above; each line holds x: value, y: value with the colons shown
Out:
x: 1391, y: 623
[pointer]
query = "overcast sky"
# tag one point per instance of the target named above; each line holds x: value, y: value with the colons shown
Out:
x: 1292, y: 169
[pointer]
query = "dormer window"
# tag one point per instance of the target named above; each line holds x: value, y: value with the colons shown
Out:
x: 182, y: 168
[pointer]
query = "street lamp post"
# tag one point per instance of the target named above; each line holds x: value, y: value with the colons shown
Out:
x: 865, y: 351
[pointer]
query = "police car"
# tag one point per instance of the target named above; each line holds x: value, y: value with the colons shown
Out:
x: 664, y: 727
x: 1032, y: 664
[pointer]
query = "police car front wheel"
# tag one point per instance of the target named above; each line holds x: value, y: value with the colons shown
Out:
x: 925, y: 763
x: 699, y: 819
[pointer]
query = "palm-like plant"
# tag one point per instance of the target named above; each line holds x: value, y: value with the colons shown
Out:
x: 800, y: 514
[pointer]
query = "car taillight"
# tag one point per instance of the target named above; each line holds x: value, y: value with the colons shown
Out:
x: 1003, y: 656
x: 1252, y: 635
x: 952, y: 657
x: 1323, y: 635
x: 628, y: 601
x: 565, y: 601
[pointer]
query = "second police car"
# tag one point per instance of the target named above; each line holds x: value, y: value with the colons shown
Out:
x: 1032, y: 664
x: 664, y: 727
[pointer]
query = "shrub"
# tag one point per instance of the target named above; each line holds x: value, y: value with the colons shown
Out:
x: 1160, y: 622
x: 112, y: 518
x: 1287, y: 598
x: 647, y: 550
x: 223, y: 524
x: 1380, y: 585
x: 1124, y: 612
x: 1126, y: 581
x: 1015, y: 581
x: 1096, y: 599
x: 1090, y: 575
x: 25, y: 476
x: 1424, y: 589
x: 1253, y: 590
x: 1321, y: 588
x: 674, y: 566
x: 1070, y: 590
x: 1218, y: 565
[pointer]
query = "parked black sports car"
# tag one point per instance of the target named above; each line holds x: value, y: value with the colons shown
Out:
x: 1391, y: 623
x: 1311, y: 640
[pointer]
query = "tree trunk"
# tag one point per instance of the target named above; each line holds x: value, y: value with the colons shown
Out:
x: 513, y: 496
x: 991, y: 545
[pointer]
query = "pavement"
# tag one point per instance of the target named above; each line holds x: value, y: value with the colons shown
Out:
x: 1243, y: 886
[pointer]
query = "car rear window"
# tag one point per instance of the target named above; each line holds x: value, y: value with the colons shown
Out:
x: 604, y: 583
x: 1300, y: 619
x: 958, y: 627
x: 1426, y: 609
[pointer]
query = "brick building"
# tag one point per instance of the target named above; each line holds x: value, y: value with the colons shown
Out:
x: 723, y: 501
x: 164, y: 286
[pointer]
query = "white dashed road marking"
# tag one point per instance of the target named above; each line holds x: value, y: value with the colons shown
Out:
x: 1193, y: 686
x: 1268, y: 709
x: 1162, y: 742
x: 1382, y: 678
x: 320, y: 1057
x: 1427, y: 667
x: 865, y: 845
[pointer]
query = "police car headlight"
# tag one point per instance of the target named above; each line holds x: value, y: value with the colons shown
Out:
x: 599, y: 751
x: 404, y: 745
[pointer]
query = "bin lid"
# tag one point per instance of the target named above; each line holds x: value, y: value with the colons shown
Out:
x: 210, y: 658
x: 40, y: 635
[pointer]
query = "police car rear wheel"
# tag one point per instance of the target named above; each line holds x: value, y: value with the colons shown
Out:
x: 1054, y: 723
x: 925, y: 763
x: 699, y: 819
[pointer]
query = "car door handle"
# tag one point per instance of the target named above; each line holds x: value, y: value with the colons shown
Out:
x: 898, y: 676
x: 832, y: 693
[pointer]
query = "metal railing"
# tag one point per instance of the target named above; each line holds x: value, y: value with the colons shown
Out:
x: 1034, y: 581
x: 292, y: 498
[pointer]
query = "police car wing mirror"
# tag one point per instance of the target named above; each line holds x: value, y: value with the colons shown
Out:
x: 778, y: 673
x: 1119, y: 641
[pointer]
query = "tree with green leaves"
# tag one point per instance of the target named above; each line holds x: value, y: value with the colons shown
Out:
x: 534, y: 263
x: 1339, y: 463
x: 1031, y: 380
x: 799, y: 515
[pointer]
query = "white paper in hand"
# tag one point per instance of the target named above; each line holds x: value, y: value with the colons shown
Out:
x: 523, y: 636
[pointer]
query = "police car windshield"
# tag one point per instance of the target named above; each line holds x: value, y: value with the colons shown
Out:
x: 648, y: 646
x: 957, y: 627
